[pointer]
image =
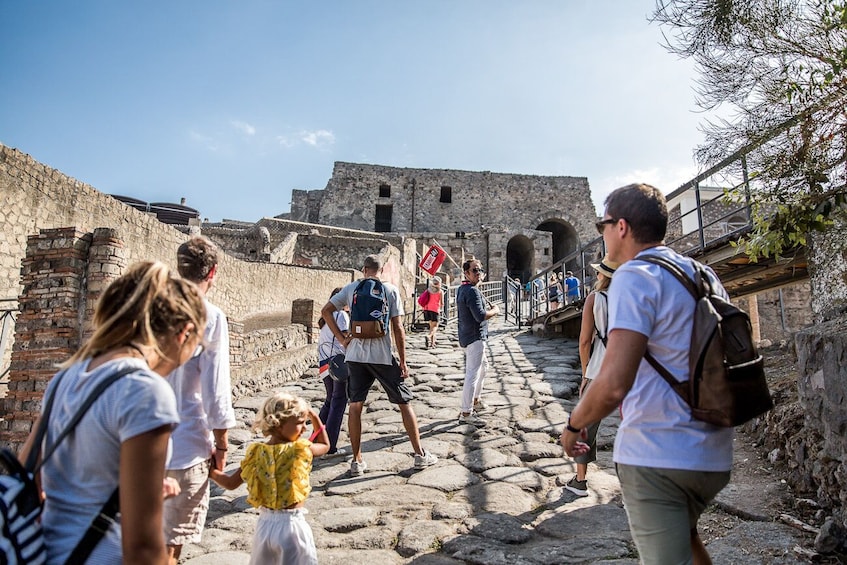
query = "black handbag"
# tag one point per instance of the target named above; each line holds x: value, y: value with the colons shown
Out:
x: 338, y: 370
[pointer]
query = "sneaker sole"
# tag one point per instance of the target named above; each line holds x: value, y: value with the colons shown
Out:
x: 577, y: 491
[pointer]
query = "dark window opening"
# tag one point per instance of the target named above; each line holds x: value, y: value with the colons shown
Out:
x: 383, y: 218
x: 460, y: 235
x: 446, y: 194
x: 547, y: 251
x: 384, y: 191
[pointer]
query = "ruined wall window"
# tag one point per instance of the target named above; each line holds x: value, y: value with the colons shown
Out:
x: 446, y: 194
x: 547, y: 251
x: 384, y: 191
x: 383, y: 218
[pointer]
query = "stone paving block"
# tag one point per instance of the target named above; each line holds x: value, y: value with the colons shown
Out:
x: 344, y: 519
x: 447, y: 478
x: 421, y: 536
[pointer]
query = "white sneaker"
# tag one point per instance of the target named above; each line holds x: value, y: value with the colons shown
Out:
x: 358, y: 468
x: 425, y: 460
x: 472, y: 419
x: 479, y: 405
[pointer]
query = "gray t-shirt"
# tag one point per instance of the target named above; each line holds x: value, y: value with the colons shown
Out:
x: 377, y: 350
x: 84, y: 470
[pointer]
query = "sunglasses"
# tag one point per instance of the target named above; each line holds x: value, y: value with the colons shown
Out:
x: 477, y: 271
x: 601, y: 225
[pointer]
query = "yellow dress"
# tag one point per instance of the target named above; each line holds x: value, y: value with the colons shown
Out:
x: 277, y: 476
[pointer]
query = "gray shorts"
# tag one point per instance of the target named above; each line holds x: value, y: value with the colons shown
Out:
x: 185, y: 514
x: 363, y: 375
x: 663, y: 506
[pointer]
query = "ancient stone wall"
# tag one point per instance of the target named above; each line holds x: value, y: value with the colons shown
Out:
x: 52, y: 324
x: 827, y: 255
x: 478, y: 201
x: 820, y: 451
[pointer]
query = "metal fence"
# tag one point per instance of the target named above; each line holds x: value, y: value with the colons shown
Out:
x: 8, y: 312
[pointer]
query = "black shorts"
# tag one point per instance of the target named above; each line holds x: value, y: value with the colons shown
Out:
x: 363, y: 375
x: 430, y: 316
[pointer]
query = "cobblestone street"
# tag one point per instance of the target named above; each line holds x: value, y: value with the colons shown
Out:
x: 496, y: 494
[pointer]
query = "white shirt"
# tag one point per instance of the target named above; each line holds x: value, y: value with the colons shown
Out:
x: 203, y: 395
x: 327, y: 344
x: 377, y: 350
x: 657, y: 429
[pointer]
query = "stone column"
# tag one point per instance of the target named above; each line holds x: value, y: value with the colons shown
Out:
x: 306, y: 311
x: 753, y: 307
x: 47, y: 331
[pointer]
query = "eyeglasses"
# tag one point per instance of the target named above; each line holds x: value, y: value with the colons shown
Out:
x: 477, y: 271
x: 601, y: 225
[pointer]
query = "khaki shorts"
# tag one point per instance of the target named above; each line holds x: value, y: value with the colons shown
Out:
x: 185, y: 514
x: 663, y: 506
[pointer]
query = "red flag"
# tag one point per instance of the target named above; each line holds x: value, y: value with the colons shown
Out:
x: 432, y: 260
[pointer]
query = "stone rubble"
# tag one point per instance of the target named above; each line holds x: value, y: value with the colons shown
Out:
x: 496, y: 494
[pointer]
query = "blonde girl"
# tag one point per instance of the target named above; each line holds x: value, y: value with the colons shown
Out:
x: 277, y: 477
x: 148, y: 320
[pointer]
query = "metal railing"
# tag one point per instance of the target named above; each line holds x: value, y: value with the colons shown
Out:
x: 8, y: 310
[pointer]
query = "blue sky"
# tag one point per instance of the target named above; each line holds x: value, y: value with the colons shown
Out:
x: 234, y: 104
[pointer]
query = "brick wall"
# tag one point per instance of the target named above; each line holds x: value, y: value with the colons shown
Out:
x: 37, y: 197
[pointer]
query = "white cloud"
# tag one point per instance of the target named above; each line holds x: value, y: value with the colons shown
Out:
x: 243, y: 127
x: 317, y: 138
x: 286, y: 141
x: 205, y: 140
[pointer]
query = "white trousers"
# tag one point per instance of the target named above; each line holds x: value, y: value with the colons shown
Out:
x: 283, y: 537
x: 475, y: 367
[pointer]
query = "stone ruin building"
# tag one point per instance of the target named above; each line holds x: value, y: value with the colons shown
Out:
x: 516, y: 224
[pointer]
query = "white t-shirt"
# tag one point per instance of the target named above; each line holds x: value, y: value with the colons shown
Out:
x: 84, y: 470
x: 327, y: 344
x: 377, y: 350
x: 657, y: 429
x: 203, y: 394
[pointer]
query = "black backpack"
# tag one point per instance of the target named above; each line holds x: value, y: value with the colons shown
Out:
x: 727, y: 384
x: 22, y: 540
x: 369, y: 310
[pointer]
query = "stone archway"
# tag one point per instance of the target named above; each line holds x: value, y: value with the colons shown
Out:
x: 520, y: 258
x: 565, y: 238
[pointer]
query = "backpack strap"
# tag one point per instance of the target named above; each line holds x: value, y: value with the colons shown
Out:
x: 603, y: 338
x: 101, y: 523
x: 681, y: 388
x: 98, y: 390
x: 95, y: 532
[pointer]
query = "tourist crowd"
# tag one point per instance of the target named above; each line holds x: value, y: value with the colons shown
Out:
x: 157, y: 433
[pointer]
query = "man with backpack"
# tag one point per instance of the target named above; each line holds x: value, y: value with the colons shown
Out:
x: 376, y: 315
x: 670, y: 464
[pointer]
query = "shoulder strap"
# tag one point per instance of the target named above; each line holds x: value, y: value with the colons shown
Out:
x: 675, y: 270
x: 41, y: 430
x: 679, y: 387
x: 98, y: 528
x: 101, y: 386
x: 603, y: 338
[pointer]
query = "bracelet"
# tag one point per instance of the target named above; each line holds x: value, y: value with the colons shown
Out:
x: 317, y: 432
x: 572, y: 429
x: 221, y: 448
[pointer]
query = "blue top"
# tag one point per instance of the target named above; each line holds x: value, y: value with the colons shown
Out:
x: 573, y: 285
x: 470, y: 308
